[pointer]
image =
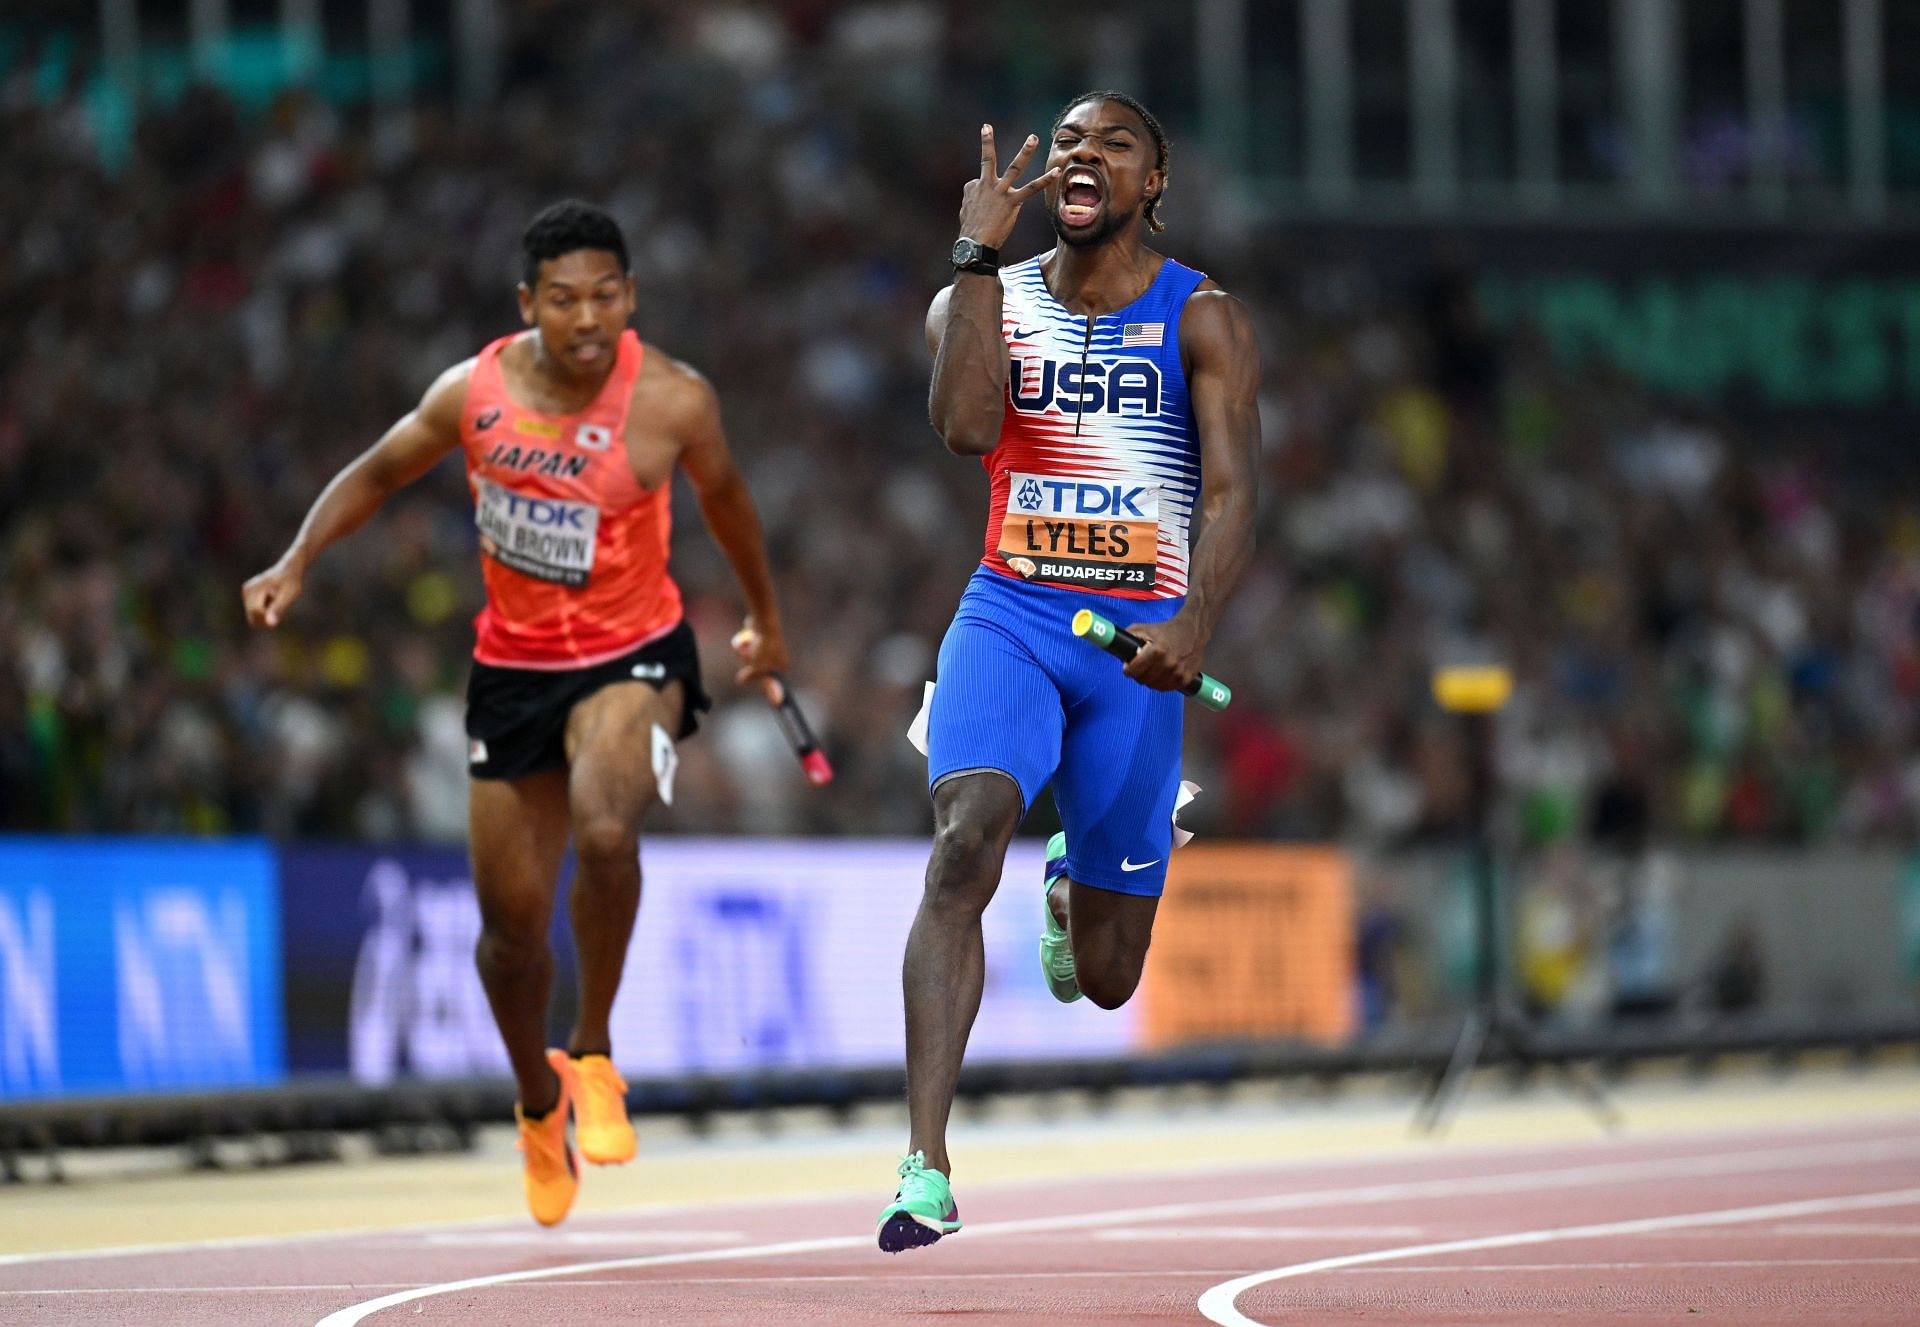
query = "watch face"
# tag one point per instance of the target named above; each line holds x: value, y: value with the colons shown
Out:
x: 963, y: 252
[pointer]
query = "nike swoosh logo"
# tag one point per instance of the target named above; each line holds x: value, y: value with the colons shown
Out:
x: 1126, y: 865
x: 649, y: 670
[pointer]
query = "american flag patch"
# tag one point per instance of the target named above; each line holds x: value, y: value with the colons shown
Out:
x: 1143, y: 334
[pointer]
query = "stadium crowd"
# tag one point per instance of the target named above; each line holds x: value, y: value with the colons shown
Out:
x: 1715, y: 635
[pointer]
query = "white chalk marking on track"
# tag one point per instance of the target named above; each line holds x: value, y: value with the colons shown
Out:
x: 1152, y: 1234
x: 1177, y: 1273
x: 1218, y: 1303
x: 209, y: 1290
x: 1491, y: 1152
x: 1851, y: 1229
x: 918, y: 1275
x: 584, y: 1238
x: 1630, y: 1266
x: 1526, y: 1181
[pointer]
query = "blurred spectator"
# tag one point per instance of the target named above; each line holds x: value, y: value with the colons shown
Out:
x: 1712, y: 639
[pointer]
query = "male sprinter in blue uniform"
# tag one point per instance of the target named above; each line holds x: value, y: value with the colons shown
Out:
x: 1111, y: 394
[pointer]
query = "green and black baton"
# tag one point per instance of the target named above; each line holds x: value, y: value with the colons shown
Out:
x: 1123, y: 645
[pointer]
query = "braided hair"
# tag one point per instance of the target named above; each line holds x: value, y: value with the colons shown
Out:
x: 1153, y: 128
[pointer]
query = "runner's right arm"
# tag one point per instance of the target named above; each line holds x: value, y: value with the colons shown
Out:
x: 969, y: 387
x: 408, y: 450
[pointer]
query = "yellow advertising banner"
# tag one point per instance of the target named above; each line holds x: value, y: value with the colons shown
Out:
x: 1252, y: 941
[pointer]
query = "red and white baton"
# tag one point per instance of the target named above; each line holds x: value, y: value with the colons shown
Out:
x: 792, y: 722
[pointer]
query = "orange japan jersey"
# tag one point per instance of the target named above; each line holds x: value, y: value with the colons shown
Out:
x: 573, y: 549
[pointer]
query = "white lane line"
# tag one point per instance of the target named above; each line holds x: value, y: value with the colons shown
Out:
x: 222, y: 1244
x: 1529, y: 1181
x: 208, y: 1290
x: 352, y: 1314
x: 916, y: 1274
x: 191, y: 1246
x: 56, y: 1292
x: 1455, y: 1152
x: 519, y: 1239
x: 1173, y: 1273
x: 1219, y: 1307
x: 1505, y: 1267
x: 1890, y: 1230
x: 1154, y: 1234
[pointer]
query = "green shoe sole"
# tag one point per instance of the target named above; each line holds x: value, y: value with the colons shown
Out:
x: 900, y: 1230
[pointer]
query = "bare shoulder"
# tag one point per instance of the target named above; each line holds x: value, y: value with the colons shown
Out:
x: 673, y: 392
x: 447, y: 397
x: 1215, y: 323
x: 1210, y: 305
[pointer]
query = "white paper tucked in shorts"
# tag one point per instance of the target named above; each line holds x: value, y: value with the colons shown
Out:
x: 917, y: 730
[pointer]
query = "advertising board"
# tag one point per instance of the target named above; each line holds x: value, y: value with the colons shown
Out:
x: 137, y: 965
x: 749, y: 955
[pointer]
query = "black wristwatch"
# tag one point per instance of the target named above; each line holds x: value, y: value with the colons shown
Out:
x: 973, y: 256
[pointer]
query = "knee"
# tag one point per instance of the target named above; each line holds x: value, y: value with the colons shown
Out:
x: 964, y: 867
x: 1111, y: 979
x: 604, y: 841
x: 512, y: 937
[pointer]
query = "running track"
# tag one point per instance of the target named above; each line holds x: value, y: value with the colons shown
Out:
x: 1801, y: 1225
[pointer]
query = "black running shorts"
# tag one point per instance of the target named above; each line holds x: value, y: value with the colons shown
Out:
x: 517, y: 717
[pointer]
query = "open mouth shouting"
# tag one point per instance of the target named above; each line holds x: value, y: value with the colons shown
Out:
x: 1080, y: 197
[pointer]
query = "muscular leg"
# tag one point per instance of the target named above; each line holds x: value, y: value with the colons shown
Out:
x: 610, y: 786
x: 517, y: 833
x: 1110, y: 933
x: 974, y: 818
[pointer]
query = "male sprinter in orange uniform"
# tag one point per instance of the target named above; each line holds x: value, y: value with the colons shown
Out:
x: 1111, y: 394
x: 584, y: 672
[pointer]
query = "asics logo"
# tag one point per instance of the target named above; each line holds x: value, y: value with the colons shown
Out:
x: 1127, y: 864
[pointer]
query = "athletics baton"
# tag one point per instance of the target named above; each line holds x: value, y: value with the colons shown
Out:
x: 1123, y: 645
x: 792, y: 722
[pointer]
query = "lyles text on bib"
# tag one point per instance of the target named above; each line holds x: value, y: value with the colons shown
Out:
x: 1081, y: 532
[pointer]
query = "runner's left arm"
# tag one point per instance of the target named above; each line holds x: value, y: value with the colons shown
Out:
x: 730, y: 514
x: 1223, y: 374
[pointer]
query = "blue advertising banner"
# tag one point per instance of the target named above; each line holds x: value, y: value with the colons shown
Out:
x: 378, y: 955
x: 749, y: 955
x: 137, y: 965
x: 757, y: 954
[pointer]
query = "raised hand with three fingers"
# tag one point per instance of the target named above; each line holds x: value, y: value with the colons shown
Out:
x: 990, y: 205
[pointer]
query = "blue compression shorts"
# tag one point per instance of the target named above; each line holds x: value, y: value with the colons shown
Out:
x: 1020, y: 694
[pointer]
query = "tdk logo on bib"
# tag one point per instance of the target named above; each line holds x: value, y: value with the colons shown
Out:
x: 549, y: 539
x: 542, y: 511
x: 1072, y: 497
x: 1123, y: 387
x: 1081, y: 532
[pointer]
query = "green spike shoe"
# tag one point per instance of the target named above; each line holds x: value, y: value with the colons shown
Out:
x: 1056, y: 949
x: 922, y: 1210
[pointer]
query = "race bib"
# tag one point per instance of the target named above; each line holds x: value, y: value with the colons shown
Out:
x: 548, y: 539
x: 1092, y: 534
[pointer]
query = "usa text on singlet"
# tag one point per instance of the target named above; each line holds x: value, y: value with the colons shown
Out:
x: 1098, y: 464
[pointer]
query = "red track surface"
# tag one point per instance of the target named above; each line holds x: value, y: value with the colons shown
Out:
x: 1785, y: 1227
